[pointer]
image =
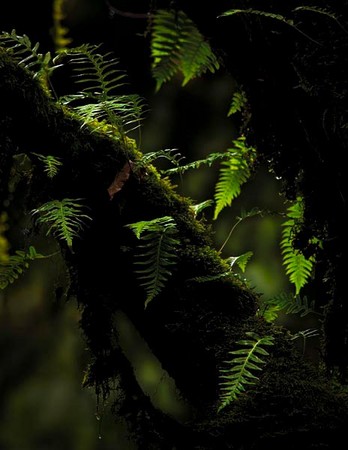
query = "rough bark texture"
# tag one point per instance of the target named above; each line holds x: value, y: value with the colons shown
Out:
x: 191, y: 327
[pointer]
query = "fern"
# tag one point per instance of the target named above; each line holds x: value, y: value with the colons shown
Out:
x: 238, y: 103
x: 170, y: 154
x: 298, y: 268
x: 197, y: 209
x: 208, y: 161
x: 288, y: 303
x: 244, y: 363
x: 15, y: 265
x: 157, y: 253
x: 100, y: 78
x: 28, y: 56
x: 177, y: 45
x: 233, y: 173
x: 241, y: 260
x: 65, y: 218
x: 51, y: 164
x: 322, y: 11
x: 256, y: 12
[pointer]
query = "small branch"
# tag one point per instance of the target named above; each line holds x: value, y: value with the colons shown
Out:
x: 114, y: 11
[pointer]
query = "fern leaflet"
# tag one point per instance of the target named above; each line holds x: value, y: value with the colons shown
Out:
x: 65, y: 218
x: 233, y: 173
x: 177, y: 45
x: 242, y: 366
x: 170, y: 154
x: 298, y: 268
x: 51, y: 164
x: 197, y: 209
x: 157, y: 253
x: 256, y: 12
x: 16, y: 264
x: 241, y: 260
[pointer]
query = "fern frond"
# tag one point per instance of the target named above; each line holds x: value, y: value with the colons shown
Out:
x: 28, y: 56
x: 201, y: 207
x: 286, y: 302
x: 16, y: 264
x: 51, y: 164
x: 65, y: 218
x: 256, y: 12
x: 157, y: 253
x: 238, y: 102
x: 322, y: 11
x: 298, y: 268
x: 100, y: 78
x: 233, y: 173
x: 170, y: 154
x: 208, y: 161
x: 241, y: 260
x: 177, y: 45
x: 244, y: 363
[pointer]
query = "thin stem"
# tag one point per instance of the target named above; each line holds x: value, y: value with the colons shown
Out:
x: 230, y: 234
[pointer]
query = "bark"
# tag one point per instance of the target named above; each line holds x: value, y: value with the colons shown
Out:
x: 190, y: 326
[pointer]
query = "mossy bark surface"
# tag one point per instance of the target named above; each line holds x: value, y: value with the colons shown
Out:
x: 189, y: 326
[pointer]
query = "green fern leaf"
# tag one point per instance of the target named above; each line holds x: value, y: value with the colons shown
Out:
x: 157, y: 253
x: 298, y: 268
x: 233, y: 173
x: 242, y: 366
x: 170, y: 154
x: 51, y: 164
x: 197, y: 209
x: 65, y: 218
x: 176, y: 46
x: 241, y: 260
x: 238, y: 103
x: 15, y: 265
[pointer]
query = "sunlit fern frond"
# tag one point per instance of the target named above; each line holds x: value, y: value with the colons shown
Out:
x: 178, y: 46
x: 51, y: 164
x: 15, y: 265
x: 234, y: 172
x: 156, y: 254
x: 240, y: 370
x: 28, y: 56
x: 100, y: 79
x: 65, y: 218
x: 298, y: 268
